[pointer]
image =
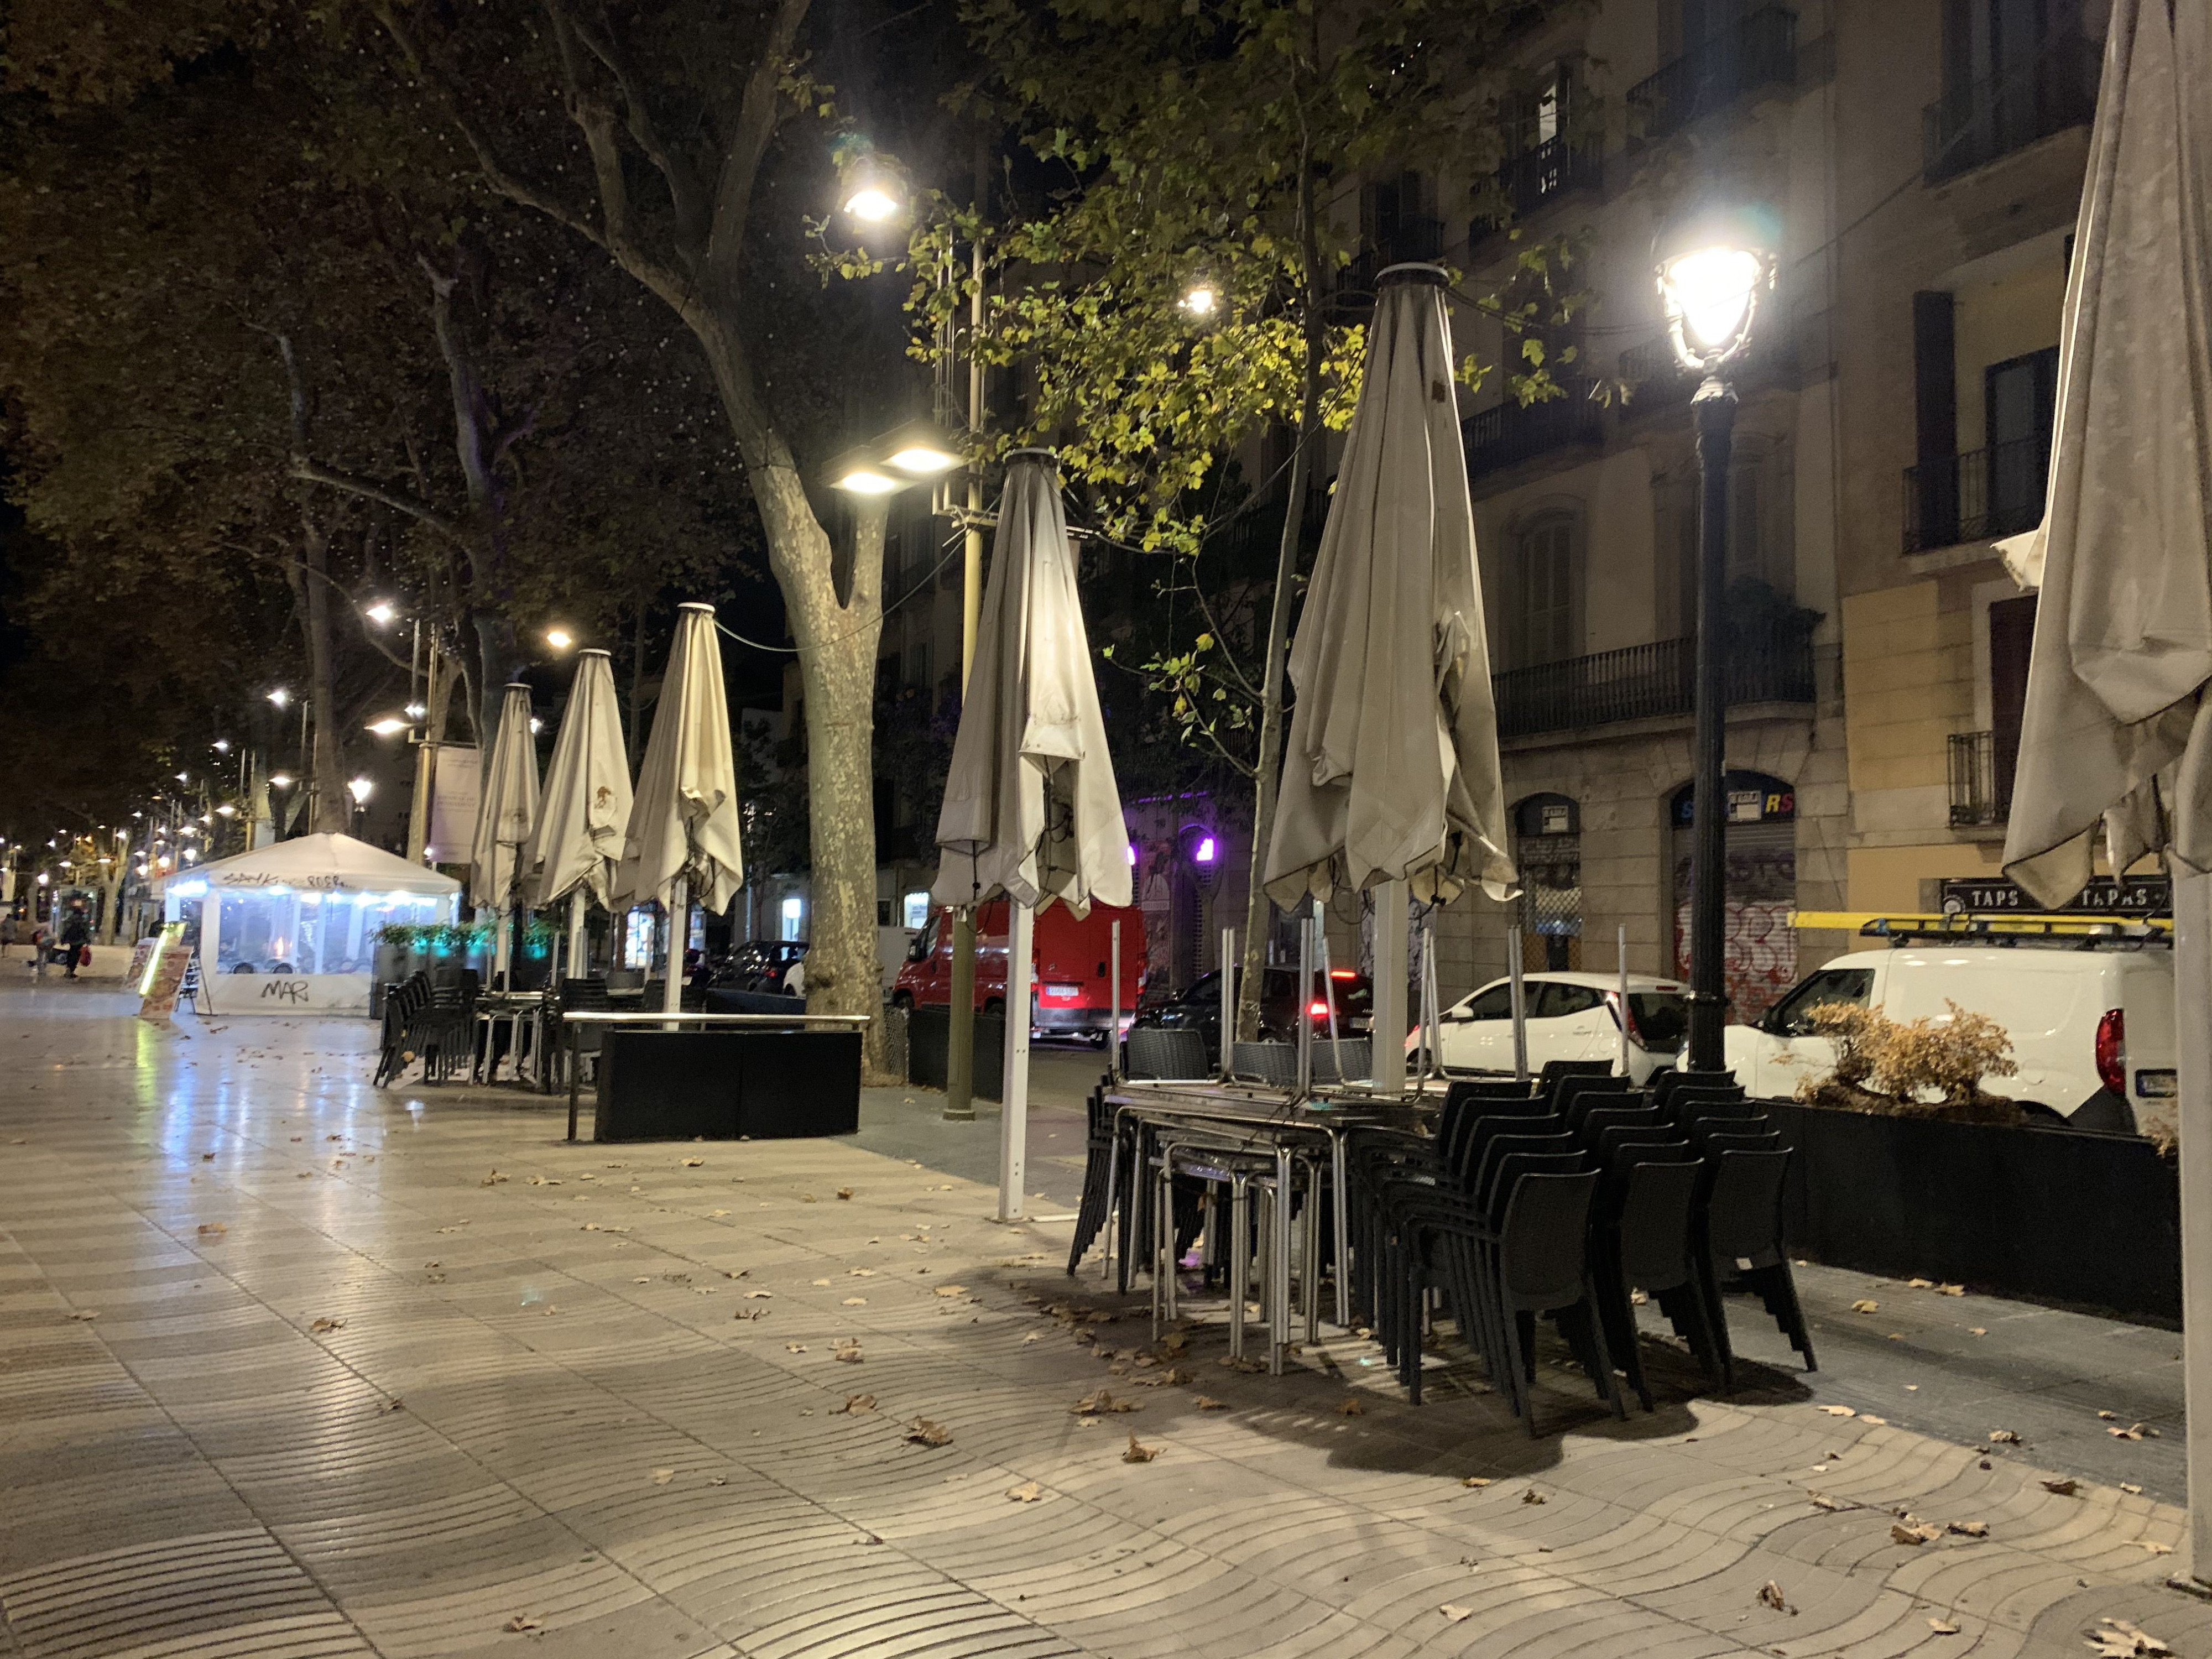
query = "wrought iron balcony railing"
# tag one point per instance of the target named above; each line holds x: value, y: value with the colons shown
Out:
x: 1758, y: 50
x: 1765, y: 664
x: 1978, y: 794
x: 1997, y: 491
x: 1514, y: 432
x: 1538, y: 177
x: 1979, y: 122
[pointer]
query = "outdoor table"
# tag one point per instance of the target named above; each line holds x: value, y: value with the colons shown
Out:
x: 642, y: 1020
x: 514, y: 1007
x: 1274, y: 1120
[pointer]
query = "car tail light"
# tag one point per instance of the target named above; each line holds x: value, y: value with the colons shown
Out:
x: 1343, y: 973
x: 1318, y: 1008
x: 2113, y: 1051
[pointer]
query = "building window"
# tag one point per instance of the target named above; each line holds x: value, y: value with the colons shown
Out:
x: 917, y: 664
x: 917, y: 908
x: 1549, y: 560
x: 1762, y: 541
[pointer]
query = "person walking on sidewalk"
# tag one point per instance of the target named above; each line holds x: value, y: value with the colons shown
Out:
x: 77, y: 933
x: 7, y: 933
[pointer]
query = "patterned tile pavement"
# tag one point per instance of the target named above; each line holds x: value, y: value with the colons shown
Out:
x: 290, y: 1367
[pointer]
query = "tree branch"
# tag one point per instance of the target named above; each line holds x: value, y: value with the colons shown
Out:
x: 311, y: 472
x: 758, y: 114
x: 683, y: 191
x: 507, y: 184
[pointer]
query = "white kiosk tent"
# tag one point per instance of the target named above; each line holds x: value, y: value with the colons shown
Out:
x: 292, y: 927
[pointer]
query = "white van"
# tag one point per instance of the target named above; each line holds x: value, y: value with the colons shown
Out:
x: 2091, y: 1021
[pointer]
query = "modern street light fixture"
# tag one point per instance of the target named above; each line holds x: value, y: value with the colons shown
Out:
x: 280, y: 696
x: 1202, y: 299
x: 914, y: 454
x: 1713, y: 265
x: 223, y: 745
x: 388, y: 725
x: 872, y: 190
x: 280, y: 780
x: 361, y: 789
x: 559, y: 638
x: 381, y: 613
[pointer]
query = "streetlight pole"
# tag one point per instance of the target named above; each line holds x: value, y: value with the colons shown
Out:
x: 960, y: 1036
x: 1714, y: 413
x: 1713, y: 264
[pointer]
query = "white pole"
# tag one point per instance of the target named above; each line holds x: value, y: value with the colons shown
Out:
x: 1520, y: 993
x: 679, y: 924
x: 1623, y: 947
x: 1305, y: 997
x: 2192, y: 1031
x: 1228, y: 998
x: 579, y: 960
x: 1432, y: 1022
x: 1388, y: 992
x: 1014, y: 1094
x: 1114, y: 1030
x: 1329, y: 987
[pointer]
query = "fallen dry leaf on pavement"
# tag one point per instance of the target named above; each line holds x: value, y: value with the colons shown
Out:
x: 923, y: 1432
x: 1970, y: 1528
x: 856, y: 1302
x: 1942, y: 1627
x: 1028, y: 1492
x: 795, y: 1347
x: 2064, y: 1488
x: 1950, y: 1290
x: 2129, y: 1486
x: 1878, y: 1422
x: 1352, y: 1408
x: 662, y: 1477
x: 758, y: 1296
x: 854, y: 1404
x: 1919, y: 1284
x: 1769, y: 1595
x: 520, y: 1625
x: 492, y: 1180
x: 1839, y: 1410
x: 1532, y: 1496
x: 1474, y: 1480
x: 2136, y: 1432
x: 693, y: 1163
x: 1096, y: 1405
x: 952, y: 1290
x: 1915, y: 1534
x: 1207, y: 1403
x: 1453, y: 1612
x: 844, y: 1192
x: 1822, y: 1500
x: 212, y: 1230
x: 848, y: 1351
x: 2116, y: 1639
x: 2004, y: 1437
x: 84, y: 1313
x: 322, y: 1325
x: 1978, y: 1330
x: 1866, y: 1304
x: 1138, y: 1454
x: 2153, y: 1546
x: 2108, y: 1417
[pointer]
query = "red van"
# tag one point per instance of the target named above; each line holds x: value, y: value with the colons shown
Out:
x: 1074, y: 993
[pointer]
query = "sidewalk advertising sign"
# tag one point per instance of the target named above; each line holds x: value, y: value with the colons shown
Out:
x: 163, y: 973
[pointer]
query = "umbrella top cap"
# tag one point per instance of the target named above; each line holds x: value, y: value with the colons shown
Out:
x: 1415, y: 272
x: 596, y: 650
x: 1033, y: 454
x: 696, y: 604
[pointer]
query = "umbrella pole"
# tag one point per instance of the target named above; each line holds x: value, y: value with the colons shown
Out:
x: 679, y: 919
x: 2192, y: 1031
x: 1390, y: 1023
x: 1623, y: 949
x: 1113, y: 1025
x: 1328, y: 989
x: 1519, y: 994
x: 1014, y: 1119
x: 1433, y: 1023
x: 1305, y: 997
x: 578, y: 963
x: 1227, y: 1000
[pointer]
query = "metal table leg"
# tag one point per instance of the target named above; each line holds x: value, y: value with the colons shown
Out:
x: 1240, y: 1260
x: 1279, y: 1264
x: 575, y: 1074
x: 1341, y: 1211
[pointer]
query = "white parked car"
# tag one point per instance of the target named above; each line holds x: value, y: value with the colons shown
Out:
x: 1570, y: 1017
x: 2091, y: 1024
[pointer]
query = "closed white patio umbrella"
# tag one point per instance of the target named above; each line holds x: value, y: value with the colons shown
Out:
x: 681, y: 844
x: 1392, y: 773
x: 1030, y: 806
x: 2116, y: 729
x: 504, y: 815
x: 578, y: 838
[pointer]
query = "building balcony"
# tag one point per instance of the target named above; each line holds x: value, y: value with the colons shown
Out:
x: 1973, y: 497
x: 1513, y: 432
x: 1759, y: 51
x: 1410, y: 240
x: 1656, y: 379
x: 1538, y: 177
x: 1650, y: 682
x: 1980, y: 795
x: 1979, y: 122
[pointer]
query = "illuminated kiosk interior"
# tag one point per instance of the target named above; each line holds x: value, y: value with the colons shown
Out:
x: 293, y: 925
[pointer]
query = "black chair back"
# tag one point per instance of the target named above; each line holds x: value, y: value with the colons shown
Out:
x: 1542, y: 1241
x: 1655, y: 1220
x: 1489, y: 1182
x: 1743, y: 1211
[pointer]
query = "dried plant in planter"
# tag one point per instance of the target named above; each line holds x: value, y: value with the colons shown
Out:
x: 1923, y: 1067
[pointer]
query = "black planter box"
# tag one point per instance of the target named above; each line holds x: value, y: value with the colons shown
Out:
x: 719, y: 1085
x: 928, y: 1035
x: 2071, y: 1217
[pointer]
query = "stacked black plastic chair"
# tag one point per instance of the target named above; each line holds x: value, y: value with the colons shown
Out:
x: 1098, y: 1174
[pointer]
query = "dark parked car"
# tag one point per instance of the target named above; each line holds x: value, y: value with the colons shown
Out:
x: 1198, y: 1008
x: 759, y: 964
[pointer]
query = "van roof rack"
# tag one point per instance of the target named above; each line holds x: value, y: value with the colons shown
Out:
x: 1989, y: 927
